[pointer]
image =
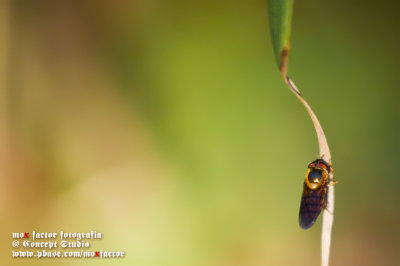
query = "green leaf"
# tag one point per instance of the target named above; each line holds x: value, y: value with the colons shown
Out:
x: 280, y: 18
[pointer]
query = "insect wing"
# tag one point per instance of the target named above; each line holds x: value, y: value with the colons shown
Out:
x: 312, y: 202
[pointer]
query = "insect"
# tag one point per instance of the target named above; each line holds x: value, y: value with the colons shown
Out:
x: 315, y: 189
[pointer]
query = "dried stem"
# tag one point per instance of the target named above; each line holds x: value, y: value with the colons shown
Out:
x: 325, y: 154
x: 327, y: 221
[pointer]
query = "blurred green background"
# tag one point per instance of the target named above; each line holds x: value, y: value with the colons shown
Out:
x: 166, y: 126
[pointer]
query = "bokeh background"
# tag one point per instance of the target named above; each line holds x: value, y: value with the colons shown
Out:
x: 166, y: 126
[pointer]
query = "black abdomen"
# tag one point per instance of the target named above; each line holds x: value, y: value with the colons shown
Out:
x: 311, y: 205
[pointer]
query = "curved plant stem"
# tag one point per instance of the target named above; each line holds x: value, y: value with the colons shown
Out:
x: 280, y: 20
x: 324, y: 153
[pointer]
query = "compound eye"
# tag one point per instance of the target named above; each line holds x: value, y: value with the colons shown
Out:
x: 315, y: 176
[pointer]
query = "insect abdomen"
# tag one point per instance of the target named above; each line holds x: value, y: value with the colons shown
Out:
x: 310, y: 207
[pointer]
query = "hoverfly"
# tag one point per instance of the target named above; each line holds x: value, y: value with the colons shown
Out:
x: 315, y: 189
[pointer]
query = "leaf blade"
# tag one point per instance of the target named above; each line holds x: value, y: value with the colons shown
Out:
x: 280, y: 20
